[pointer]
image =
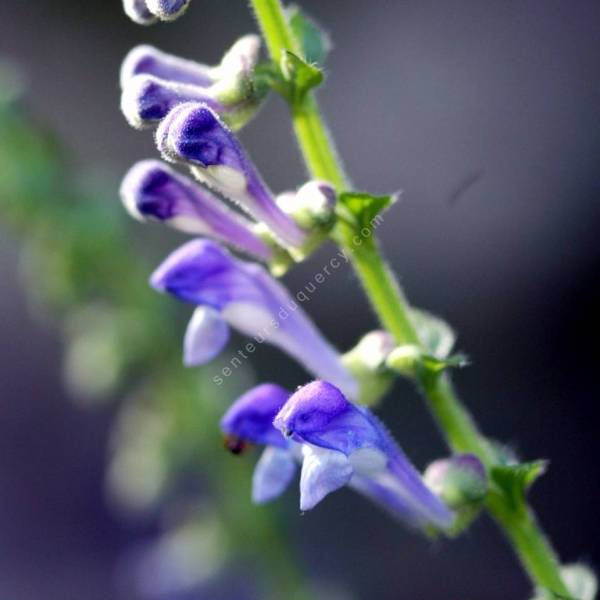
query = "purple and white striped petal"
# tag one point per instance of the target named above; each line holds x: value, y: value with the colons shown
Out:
x: 318, y: 414
x: 194, y: 134
x: 153, y: 190
x: 250, y: 300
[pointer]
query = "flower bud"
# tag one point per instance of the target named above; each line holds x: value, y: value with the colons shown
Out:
x: 137, y: 11
x: 146, y: 100
x: 167, y: 10
x: 153, y: 83
x: 152, y: 190
x: 366, y: 361
x: 147, y: 12
x: 404, y: 359
x: 580, y: 580
x: 460, y: 481
x: 147, y: 60
x: 312, y: 206
x: 194, y: 134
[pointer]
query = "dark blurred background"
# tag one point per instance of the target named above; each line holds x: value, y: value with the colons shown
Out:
x: 486, y: 115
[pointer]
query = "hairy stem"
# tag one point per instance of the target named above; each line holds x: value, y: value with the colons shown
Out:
x: 386, y: 296
x: 313, y: 136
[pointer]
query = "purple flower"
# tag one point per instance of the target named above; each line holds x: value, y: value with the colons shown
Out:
x: 154, y: 82
x: 346, y: 444
x: 383, y: 475
x: 152, y: 190
x: 194, y: 134
x: 250, y: 419
x: 147, y: 12
x: 232, y: 292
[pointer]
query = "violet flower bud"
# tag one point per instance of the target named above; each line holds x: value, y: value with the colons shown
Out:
x: 154, y: 82
x: 147, y: 60
x: 137, y: 11
x: 244, y: 296
x: 194, y: 134
x: 152, y: 190
x: 167, y: 10
x: 147, y: 12
x: 146, y: 100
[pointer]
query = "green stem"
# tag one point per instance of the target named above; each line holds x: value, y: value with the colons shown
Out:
x: 530, y: 544
x: 311, y: 132
x: 381, y: 286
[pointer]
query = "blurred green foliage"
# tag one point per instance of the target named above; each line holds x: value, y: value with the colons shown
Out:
x: 83, y: 271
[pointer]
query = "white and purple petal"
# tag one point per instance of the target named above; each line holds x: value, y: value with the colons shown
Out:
x: 206, y: 335
x: 323, y: 471
x: 273, y: 474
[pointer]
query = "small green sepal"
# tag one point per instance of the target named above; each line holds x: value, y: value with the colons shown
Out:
x: 300, y: 76
x: 515, y: 480
x: 363, y: 209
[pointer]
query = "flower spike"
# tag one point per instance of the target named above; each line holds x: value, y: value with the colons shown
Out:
x: 247, y: 298
x: 152, y: 190
x: 194, y: 134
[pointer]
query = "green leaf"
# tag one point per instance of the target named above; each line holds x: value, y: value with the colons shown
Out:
x: 515, y: 480
x: 364, y: 208
x: 314, y: 42
x: 435, y: 334
x: 301, y: 76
